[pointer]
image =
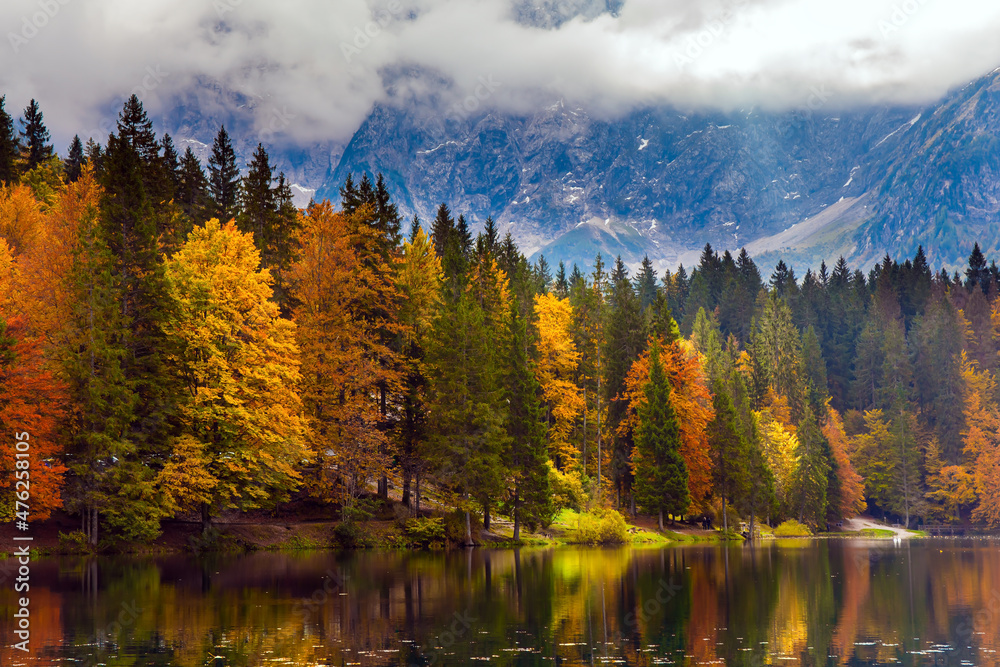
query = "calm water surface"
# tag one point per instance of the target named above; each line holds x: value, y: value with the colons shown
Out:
x: 813, y: 602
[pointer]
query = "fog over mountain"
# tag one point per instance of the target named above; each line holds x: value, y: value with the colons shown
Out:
x: 644, y: 126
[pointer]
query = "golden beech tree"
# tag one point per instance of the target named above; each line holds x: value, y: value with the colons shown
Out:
x: 419, y: 283
x: 691, y: 400
x: 242, y: 432
x: 779, y: 443
x: 341, y: 354
x: 21, y: 216
x: 949, y: 487
x: 48, y: 259
x: 982, y: 440
x: 557, y: 362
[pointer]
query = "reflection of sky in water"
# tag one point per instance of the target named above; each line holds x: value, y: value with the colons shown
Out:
x: 817, y: 602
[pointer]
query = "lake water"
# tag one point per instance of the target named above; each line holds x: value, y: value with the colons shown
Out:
x: 813, y: 602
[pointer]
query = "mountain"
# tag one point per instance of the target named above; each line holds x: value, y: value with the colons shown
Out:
x: 806, y: 185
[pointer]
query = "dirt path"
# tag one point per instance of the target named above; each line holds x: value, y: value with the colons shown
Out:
x: 859, y: 524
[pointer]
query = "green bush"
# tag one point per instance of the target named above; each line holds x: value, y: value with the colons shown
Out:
x: 454, y: 525
x: 600, y: 527
x: 349, y: 535
x: 74, y: 543
x: 567, y: 490
x: 425, y: 531
x: 792, y: 528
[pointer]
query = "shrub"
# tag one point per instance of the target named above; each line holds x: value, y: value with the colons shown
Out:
x: 425, y: 531
x: 792, y: 528
x: 349, y: 535
x: 600, y: 527
x: 74, y: 543
x: 567, y: 490
x: 454, y: 525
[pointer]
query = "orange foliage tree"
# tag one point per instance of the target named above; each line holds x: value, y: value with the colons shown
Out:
x: 341, y: 352
x: 850, y: 495
x: 33, y: 401
x: 691, y: 400
x: 982, y: 440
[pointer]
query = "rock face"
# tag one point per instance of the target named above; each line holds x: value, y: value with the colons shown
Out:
x: 806, y: 185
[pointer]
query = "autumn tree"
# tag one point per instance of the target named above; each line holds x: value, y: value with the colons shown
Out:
x: 418, y: 281
x: 556, y: 367
x: 32, y: 409
x: 982, y: 441
x: 339, y: 350
x: 242, y: 433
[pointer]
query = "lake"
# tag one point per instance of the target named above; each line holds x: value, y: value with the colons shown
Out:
x: 814, y: 602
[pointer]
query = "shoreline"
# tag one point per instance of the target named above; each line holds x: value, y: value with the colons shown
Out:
x: 248, y: 534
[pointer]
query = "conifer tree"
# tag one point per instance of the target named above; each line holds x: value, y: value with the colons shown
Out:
x: 35, y: 136
x: 525, y: 457
x: 75, y: 159
x: 661, y: 476
x: 10, y: 146
x: 625, y: 338
x: 811, y: 476
x: 192, y: 188
x: 223, y: 177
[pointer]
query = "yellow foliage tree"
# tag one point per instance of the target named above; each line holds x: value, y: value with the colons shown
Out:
x: 557, y: 361
x: 242, y: 430
x: 982, y: 440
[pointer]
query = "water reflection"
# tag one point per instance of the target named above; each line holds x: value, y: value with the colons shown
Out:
x: 812, y: 602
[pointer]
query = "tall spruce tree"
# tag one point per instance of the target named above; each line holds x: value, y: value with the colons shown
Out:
x: 223, y: 178
x: 661, y: 476
x: 526, y: 456
x: 75, y: 159
x: 35, y: 136
x: 192, y: 188
x: 10, y: 146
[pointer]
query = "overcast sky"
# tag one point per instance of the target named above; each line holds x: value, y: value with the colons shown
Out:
x: 315, y: 67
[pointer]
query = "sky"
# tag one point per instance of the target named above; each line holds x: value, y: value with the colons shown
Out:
x: 310, y: 70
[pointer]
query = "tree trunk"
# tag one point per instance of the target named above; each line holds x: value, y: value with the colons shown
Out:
x: 517, y: 517
x: 725, y: 517
x: 486, y: 516
x: 418, y: 492
x: 206, y: 519
x: 468, y: 529
x: 407, y: 475
x: 93, y: 526
x: 661, y: 520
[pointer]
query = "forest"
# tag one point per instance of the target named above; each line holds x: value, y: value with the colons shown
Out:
x: 182, y: 341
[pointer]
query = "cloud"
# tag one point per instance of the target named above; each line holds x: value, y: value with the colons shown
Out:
x: 326, y: 63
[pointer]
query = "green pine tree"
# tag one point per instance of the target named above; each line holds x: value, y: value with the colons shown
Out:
x: 35, y: 136
x: 10, y: 146
x: 661, y: 478
x: 75, y: 159
x: 526, y: 456
x: 224, y: 178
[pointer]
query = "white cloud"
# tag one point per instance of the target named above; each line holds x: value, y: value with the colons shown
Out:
x: 314, y: 58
